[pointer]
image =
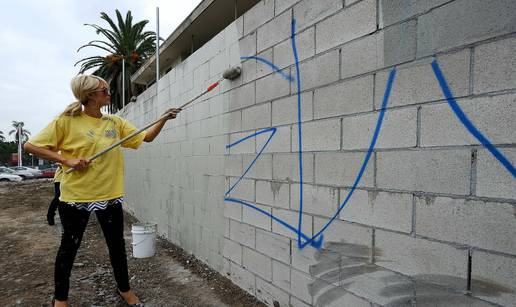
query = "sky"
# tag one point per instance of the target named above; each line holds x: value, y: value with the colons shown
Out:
x: 39, y: 42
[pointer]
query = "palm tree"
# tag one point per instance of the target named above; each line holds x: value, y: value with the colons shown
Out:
x: 24, y: 133
x: 123, y: 41
x: 2, y: 137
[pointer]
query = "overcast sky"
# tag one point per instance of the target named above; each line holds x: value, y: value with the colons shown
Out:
x: 39, y: 42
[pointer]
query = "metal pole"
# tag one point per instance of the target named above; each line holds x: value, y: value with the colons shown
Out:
x: 19, y: 146
x: 123, y: 82
x: 157, y: 49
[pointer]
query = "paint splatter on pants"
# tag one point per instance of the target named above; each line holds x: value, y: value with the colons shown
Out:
x: 74, y: 223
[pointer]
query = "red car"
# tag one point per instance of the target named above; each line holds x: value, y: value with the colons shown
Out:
x: 49, y: 172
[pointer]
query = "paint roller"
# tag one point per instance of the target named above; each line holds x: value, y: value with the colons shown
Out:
x: 229, y: 74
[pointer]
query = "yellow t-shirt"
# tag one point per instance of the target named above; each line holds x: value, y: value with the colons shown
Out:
x: 58, y: 174
x: 84, y: 136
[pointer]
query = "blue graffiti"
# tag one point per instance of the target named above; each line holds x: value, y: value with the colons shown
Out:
x: 274, y: 68
x: 467, y: 123
x: 317, y: 239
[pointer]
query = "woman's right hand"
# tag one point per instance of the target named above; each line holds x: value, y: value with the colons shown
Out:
x: 79, y: 163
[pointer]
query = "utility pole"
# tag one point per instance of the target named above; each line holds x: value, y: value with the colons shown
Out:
x: 19, y: 145
x: 123, y: 81
x: 157, y: 50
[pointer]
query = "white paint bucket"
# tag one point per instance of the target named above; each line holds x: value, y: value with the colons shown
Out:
x: 144, y: 239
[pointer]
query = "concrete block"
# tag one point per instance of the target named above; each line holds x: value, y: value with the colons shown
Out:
x: 273, y: 193
x: 344, y: 232
x: 492, y: 115
x: 281, y: 275
x: 247, y: 45
x: 463, y: 22
x: 259, y: 14
x: 274, y: 31
x: 361, y: 56
x: 305, y: 46
x: 270, y: 294
x: 380, y: 286
x: 320, y: 135
x: 257, y: 263
x: 242, y: 233
x: 233, y: 165
x: 232, y: 251
x: 493, y: 179
x: 309, y: 12
x: 232, y: 122
x: 399, y: 130
x: 344, y: 98
x: 243, y: 190
x: 243, y: 278
x: 272, y: 86
x: 487, y: 225
x: 253, y: 69
x: 286, y: 167
x: 397, y: 43
x: 332, y: 296
x: 439, y: 171
x: 291, y: 218
x: 218, y: 64
x: 261, y: 169
x: 493, y: 278
x: 348, y: 24
x: 422, y: 258
x: 317, y: 200
x: 282, y: 5
x: 285, y: 110
x: 233, y: 211
x: 261, y: 68
x: 300, y: 286
x: 295, y: 302
x: 242, y: 97
x: 494, y: 67
x: 201, y: 147
x: 393, y: 11
x: 218, y: 145
x: 341, y: 169
x: 321, y: 264
x: 256, y: 218
x: 280, y: 142
x: 391, y: 211
x: 318, y: 71
x: 417, y: 84
x: 273, y: 245
x: 255, y: 117
x: 247, y: 146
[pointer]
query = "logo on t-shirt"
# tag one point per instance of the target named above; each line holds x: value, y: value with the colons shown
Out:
x: 111, y: 133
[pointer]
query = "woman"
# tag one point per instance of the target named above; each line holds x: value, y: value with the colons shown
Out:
x: 52, y: 208
x: 79, y: 132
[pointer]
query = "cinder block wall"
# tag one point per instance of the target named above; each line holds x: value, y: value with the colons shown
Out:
x: 429, y: 220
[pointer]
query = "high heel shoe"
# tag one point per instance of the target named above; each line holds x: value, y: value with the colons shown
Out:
x: 139, y: 304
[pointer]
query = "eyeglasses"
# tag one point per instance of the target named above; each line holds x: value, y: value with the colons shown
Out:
x: 104, y: 91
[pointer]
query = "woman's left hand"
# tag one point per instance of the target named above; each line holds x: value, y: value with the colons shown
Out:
x: 171, y: 113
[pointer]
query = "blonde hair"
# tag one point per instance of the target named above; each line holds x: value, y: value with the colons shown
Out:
x: 82, y: 86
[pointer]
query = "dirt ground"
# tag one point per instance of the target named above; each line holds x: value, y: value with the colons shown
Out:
x: 28, y: 247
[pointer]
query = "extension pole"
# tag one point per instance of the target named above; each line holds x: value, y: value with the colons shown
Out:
x: 95, y: 156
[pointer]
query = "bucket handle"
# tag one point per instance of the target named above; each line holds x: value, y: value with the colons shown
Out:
x: 132, y: 243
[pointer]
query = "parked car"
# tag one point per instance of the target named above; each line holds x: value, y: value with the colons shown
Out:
x: 26, y: 172
x: 7, y: 175
x: 49, y: 172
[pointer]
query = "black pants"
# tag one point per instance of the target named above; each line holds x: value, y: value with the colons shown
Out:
x: 55, y: 201
x: 74, y: 223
